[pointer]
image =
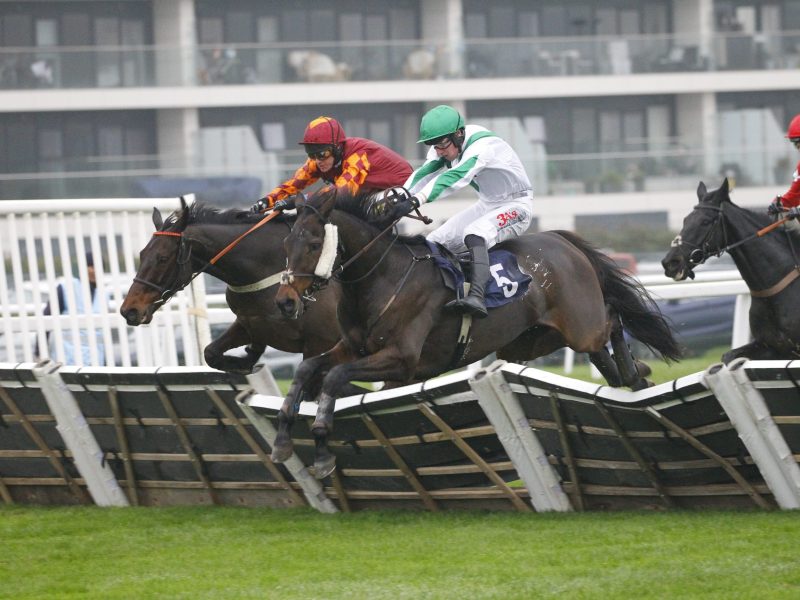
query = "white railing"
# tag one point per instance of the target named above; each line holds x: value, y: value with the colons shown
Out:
x: 45, y: 242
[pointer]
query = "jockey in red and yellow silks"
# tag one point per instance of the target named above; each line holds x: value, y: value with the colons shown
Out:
x: 351, y: 164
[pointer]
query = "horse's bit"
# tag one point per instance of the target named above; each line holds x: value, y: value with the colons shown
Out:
x: 184, y: 270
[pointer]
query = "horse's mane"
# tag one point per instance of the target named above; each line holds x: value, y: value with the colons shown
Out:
x: 201, y: 212
x: 759, y: 217
x: 356, y: 205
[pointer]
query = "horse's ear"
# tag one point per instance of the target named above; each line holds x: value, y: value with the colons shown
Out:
x: 328, y: 205
x: 701, y: 191
x: 157, y: 220
x: 183, y: 218
x: 725, y: 187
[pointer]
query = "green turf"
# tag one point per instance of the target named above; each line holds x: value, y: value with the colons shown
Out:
x: 259, y: 553
x: 662, y: 371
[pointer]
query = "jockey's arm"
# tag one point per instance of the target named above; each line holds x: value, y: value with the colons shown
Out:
x: 792, y: 196
x: 454, y: 178
x: 303, y: 177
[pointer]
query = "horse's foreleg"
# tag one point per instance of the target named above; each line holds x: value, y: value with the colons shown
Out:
x: 386, y: 365
x: 236, y: 335
x: 305, y: 385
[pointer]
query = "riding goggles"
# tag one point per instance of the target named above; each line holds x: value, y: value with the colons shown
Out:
x: 795, y: 141
x: 321, y: 155
x: 443, y: 144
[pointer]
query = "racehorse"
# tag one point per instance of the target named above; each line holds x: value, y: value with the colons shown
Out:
x: 395, y: 328
x: 184, y: 245
x: 768, y: 264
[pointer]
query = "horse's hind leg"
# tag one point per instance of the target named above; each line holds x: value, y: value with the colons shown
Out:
x: 607, y: 367
x: 631, y: 371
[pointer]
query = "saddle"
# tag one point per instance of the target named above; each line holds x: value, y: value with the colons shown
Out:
x: 506, y: 283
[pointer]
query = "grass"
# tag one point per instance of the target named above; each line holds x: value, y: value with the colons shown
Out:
x: 662, y: 371
x: 207, y: 552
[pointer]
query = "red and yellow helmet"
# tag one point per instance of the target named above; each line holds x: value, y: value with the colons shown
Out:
x: 324, y: 131
x: 793, y: 133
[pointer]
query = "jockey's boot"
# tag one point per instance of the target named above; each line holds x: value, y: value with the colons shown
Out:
x: 474, y: 303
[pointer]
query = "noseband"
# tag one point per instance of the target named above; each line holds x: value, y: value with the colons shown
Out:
x: 701, y: 252
x: 184, y: 270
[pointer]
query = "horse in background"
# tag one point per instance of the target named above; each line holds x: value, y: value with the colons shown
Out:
x: 395, y: 326
x: 184, y: 244
x: 768, y: 264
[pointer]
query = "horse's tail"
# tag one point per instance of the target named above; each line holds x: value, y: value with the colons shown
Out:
x: 639, y: 313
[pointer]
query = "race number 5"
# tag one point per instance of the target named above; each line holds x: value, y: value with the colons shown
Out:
x: 509, y: 287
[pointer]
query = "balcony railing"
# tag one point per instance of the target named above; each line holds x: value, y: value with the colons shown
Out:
x: 671, y: 166
x: 153, y: 66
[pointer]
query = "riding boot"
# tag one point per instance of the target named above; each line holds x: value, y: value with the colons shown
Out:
x: 474, y: 303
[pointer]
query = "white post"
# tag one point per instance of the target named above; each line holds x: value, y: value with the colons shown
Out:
x: 768, y: 450
x: 520, y: 442
x: 78, y: 438
x: 741, y: 321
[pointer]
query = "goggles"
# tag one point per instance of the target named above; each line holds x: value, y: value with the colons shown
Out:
x: 321, y: 155
x: 443, y: 144
x: 795, y: 141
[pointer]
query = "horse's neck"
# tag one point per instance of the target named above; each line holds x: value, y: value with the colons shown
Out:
x: 761, y: 261
x: 357, y: 244
x: 240, y: 265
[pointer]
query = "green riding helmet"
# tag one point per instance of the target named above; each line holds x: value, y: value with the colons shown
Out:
x: 438, y: 122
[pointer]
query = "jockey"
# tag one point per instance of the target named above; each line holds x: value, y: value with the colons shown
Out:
x: 351, y: 164
x: 462, y: 155
x: 791, y: 199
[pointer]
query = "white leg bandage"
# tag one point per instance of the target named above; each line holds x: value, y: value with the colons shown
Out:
x: 324, y: 267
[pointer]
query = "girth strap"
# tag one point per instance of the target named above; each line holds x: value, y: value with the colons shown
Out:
x: 778, y: 287
x: 257, y: 286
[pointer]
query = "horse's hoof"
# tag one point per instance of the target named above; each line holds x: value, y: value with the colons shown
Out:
x: 643, y: 368
x: 281, y: 451
x: 642, y: 384
x: 324, y: 466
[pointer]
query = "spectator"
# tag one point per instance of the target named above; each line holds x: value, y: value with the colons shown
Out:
x: 70, y: 299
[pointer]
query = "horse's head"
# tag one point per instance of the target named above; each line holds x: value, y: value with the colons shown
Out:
x: 164, y: 268
x: 311, y: 249
x: 702, y: 235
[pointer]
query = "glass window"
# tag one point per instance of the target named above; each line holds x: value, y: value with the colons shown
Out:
x: 211, y: 30
x: 629, y: 22
x: 528, y: 23
x: 381, y: 132
x: 238, y: 27
x: 475, y: 26
x: 107, y: 33
x: 322, y: 25
x: 46, y: 32
x: 502, y: 21
x: 554, y: 20
x: 606, y: 21
x: 51, y: 144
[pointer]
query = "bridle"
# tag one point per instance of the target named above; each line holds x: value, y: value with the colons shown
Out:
x: 318, y: 282
x: 184, y: 261
x: 700, y: 253
x: 184, y: 270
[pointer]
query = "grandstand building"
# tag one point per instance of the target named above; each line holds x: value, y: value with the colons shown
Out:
x: 633, y: 99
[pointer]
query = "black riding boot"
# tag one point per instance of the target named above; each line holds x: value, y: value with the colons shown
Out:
x: 474, y: 303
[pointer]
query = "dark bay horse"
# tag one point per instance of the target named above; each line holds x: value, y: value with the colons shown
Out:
x: 768, y: 264
x: 186, y: 242
x: 395, y: 328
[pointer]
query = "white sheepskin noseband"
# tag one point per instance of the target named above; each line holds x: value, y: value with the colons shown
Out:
x: 324, y: 267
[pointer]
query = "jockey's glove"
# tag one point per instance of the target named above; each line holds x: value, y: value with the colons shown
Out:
x: 287, y: 203
x: 776, y: 207
x: 260, y: 206
x: 402, y: 207
x: 793, y: 212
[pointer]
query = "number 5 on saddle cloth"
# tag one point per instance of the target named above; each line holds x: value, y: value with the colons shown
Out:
x: 506, y: 283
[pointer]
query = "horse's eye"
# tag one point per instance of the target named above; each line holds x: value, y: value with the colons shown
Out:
x: 162, y: 259
x: 314, y: 247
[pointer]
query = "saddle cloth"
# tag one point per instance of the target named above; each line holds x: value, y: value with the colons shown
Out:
x: 506, y: 283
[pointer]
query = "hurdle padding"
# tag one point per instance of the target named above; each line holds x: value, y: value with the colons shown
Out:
x: 508, y: 437
x: 169, y: 435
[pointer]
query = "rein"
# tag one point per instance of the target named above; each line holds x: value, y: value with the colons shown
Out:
x: 705, y: 253
x: 168, y: 291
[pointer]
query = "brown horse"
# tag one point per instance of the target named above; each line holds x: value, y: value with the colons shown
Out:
x: 183, y: 245
x: 395, y: 327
